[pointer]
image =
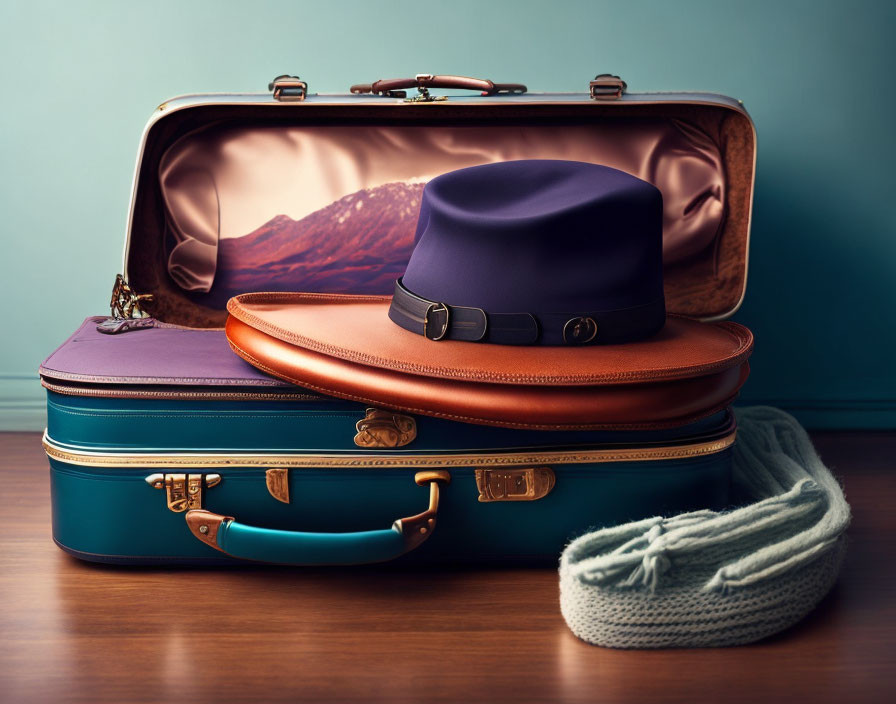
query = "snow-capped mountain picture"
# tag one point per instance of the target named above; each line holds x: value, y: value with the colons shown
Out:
x: 359, y: 244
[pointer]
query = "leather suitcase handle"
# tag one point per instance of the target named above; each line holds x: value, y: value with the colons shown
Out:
x: 394, y: 87
x: 297, y: 548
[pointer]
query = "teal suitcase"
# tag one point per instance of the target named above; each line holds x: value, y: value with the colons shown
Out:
x: 312, y: 480
x: 164, y: 447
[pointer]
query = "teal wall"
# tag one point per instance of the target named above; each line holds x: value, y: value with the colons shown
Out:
x: 79, y: 79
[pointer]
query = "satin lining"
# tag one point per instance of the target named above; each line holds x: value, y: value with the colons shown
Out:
x: 294, y: 208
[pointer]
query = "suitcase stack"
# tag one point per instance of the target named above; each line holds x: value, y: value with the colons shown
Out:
x: 155, y: 426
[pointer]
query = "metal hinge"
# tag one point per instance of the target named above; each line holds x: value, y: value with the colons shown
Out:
x: 606, y: 86
x: 183, y: 491
x: 380, y: 428
x: 288, y: 89
x: 521, y: 484
x: 126, y: 311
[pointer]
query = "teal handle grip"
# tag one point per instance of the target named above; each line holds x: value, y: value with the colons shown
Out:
x: 291, y: 548
x: 299, y: 548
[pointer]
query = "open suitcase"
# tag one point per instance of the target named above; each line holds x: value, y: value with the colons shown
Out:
x: 152, y: 419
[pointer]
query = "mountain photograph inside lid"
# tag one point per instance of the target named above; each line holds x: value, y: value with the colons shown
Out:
x: 358, y: 244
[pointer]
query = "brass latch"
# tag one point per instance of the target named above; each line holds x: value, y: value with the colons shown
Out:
x: 515, y: 484
x: 607, y: 87
x: 380, y: 428
x: 183, y: 491
x: 126, y: 310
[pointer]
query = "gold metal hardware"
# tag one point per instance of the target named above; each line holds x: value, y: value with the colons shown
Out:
x: 288, y: 89
x: 523, y: 484
x: 435, y: 308
x: 126, y: 311
x: 481, y: 460
x: 423, y: 95
x: 126, y: 301
x: 606, y: 86
x: 183, y: 491
x: 277, y: 481
x: 381, y: 428
x: 417, y: 528
x: 579, y: 331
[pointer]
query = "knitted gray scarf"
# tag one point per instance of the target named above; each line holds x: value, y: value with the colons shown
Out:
x: 706, y: 579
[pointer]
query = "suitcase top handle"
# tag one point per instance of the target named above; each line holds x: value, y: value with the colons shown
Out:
x: 394, y: 87
x: 286, y: 88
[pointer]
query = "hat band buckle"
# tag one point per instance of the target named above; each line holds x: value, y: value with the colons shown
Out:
x: 435, y: 308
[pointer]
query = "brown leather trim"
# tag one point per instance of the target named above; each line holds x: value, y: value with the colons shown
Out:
x: 620, y: 406
x: 357, y: 329
x: 205, y: 525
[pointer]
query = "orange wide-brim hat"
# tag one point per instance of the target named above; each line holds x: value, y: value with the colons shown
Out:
x: 346, y: 346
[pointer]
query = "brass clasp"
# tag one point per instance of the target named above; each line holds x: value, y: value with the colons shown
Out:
x: 515, y: 484
x: 126, y: 310
x: 380, y: 428
x: 183, y: 491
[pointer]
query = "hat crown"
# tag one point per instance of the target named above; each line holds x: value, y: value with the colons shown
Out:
x: 538, y: 236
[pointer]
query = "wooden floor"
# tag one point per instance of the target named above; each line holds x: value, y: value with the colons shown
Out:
x: 71, y: 631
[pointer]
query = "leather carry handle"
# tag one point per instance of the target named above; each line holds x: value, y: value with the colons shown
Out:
x: 297, y: 548
x: 394, y: 87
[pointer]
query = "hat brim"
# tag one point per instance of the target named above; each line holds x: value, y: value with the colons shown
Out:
x: 346, y: 346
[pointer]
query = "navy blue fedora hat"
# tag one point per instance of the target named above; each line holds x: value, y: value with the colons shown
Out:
x: 535, y: 252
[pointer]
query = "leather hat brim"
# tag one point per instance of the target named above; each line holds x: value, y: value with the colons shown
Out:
x: 346, y: 346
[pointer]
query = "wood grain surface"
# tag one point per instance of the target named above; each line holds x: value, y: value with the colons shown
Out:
x: 71, y: 631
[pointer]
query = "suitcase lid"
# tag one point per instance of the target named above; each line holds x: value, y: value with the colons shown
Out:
x: 291, y: 191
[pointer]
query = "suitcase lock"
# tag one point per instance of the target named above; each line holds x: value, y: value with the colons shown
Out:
x: 514, y: 484
x: 183, y: 491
